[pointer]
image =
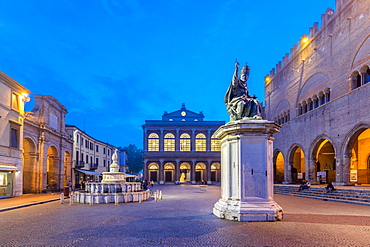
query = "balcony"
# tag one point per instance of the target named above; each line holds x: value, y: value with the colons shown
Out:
x: 93, y: 167
x: 79, y: 164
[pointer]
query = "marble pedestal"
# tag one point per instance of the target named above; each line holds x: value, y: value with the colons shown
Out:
x: 247, y: 172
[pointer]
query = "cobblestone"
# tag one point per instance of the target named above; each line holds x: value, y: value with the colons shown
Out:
x: 184, y: 218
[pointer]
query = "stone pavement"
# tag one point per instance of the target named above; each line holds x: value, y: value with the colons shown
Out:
x: 183, y: 218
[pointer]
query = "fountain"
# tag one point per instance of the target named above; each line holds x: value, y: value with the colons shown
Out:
x: 112, y: 189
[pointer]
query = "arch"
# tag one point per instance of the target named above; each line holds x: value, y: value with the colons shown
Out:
x: 281, y: 107
x: 184, y: 172
x: 153, y: 166
x: 200, y: 172
x: 200, y: 166
x: 315, y: 83
x: 185, y: 165
x: 52, y: 169
x: 67, y: 164
x: 356, y: 149
x: 169, y: 172
x: 200, y: 142
x: 216, y: 172
x: 362, y: 52
x: 169, y: 166
x: 153, y: 142
x: 30, y: 167
x: 169, y: 142
x: 355, y: 80
x: 153, y: 171
x: 184, y: 142
x: 297, y: 160
x: 323, y: 158
x: 278, y: 163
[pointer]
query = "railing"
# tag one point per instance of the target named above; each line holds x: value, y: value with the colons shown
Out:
x: 93, y: 166
x: 79, y: 164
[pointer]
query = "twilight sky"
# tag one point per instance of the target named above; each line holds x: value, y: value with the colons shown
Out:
x: 116, y: 63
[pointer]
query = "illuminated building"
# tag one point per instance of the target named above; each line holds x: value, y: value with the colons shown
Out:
x: 12, y: 99
x: 91, y: 157
x: 320, y: 94
x: 181, y: 148
x: 47, y: 147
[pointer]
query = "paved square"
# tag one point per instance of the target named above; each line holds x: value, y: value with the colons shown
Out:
x: 184, y: 218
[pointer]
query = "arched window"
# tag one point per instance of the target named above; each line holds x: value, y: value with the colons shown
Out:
x: 200, y: 166
x: 169, y: 142
x: 200, y: 142
x: 185, y: 142
x: 169, y: 166
x: 356, y: 80
x: 153, y: 166
x: 367, y: 76
x: 153, y: 142
x: 215, y: 143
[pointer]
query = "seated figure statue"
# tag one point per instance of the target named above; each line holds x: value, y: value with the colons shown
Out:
x: 239, y: 104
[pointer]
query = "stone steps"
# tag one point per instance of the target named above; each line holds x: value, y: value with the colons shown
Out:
x: 354, y: 196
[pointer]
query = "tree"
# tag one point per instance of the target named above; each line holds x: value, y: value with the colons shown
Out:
x: 135, y: 157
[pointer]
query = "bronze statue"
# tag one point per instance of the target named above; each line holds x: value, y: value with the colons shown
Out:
x: 239, y: 104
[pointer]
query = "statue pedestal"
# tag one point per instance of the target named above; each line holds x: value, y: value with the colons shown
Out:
x: 247, y: 172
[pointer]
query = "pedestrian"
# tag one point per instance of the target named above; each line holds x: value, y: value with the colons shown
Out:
x: 329, y: 187
x: 152, y: 183
x: 69, y: 184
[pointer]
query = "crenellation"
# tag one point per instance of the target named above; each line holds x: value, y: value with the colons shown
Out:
x: 286, y: 59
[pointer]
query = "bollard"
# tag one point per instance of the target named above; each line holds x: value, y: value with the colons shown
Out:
x: 61, y: 198
x: 116, y: 199
x: 91, y: 199
x: 160, y: 194
x: 140, y: 197
x: 71, y: 196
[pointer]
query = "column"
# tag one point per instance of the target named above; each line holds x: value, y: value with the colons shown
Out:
x: 161, y: 171
x: 208, y: 171
x: 192, y: 141
x: 208, y: 140
x: 177, y: 140
x: 192, y: 172
x: 177, y: 171
x: 288, y: 178
x: 161, y: 140
x: 145, y: 170
x: 312, y: 178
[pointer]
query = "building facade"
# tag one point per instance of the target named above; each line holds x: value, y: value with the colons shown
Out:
x: 47, y: 148
x: 12, y: 99
x: 320, y: 94
x: 181, y: 148
x: 90, y: 157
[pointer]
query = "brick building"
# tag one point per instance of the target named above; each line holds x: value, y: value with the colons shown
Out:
x: 181, y: 148
x: 320, y: 95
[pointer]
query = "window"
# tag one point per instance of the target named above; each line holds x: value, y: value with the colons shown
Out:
x: 108, y: 151
x: 82, y: 157
x: 153, y: 142
x: 86, y: 144
x: 185, y: 142
x: 200, y: 142
x: 77, y: 156
x: 97, y: 148
x: 215, y: 143
x: 103, y: 150
x: 14, y: 134
x: 15, y: 102
x: 97, y: 161
x: 91, y: 160
x: 82, y: 140
x: 104, y: 163
x: 169, y: 142
x: 367, y: 76
x: 91, y: 146
x: 77, y: 138
x: 14, y: 138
